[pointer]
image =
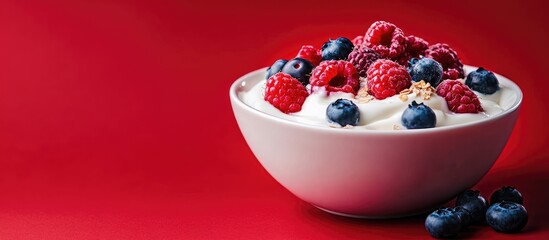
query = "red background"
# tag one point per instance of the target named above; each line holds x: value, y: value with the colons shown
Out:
x: 115, y: 121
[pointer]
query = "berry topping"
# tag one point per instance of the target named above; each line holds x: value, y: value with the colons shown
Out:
x: 464, y: 215
x: 276, y: 67
x: 343, y: 112
x: 337, y: 49
x: 474, y: 203
x: 336, y: 75
x: 482, y: 81
x: 411, y: 63
x: 386, y: 78
x: 403, y: 59
x: 362, y: 57
x: 418, y: 116
x: 386, y: 39
x: 506, y: 193
x: 447, y: 57
x: 443, y: 223
x: 507, y: 217
x: 459, y: 97
x: 415, y: 48
x: 358, y: 40
x: 310, y: 53
x: 300, y: 69
x: 285, y: 93
x: 428, y: 70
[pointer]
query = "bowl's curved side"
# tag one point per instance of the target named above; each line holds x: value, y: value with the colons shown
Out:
x: 372, y: 173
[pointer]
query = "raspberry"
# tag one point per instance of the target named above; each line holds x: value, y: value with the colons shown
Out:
x: 459, y: 97
x: 336, y: 75
x: 362, y: 57
x: 386, y: 39
x: 310, y: 53
x: 447, y: 57
x: 415, y: 47
x: 404, y: 59
x: 285, y: 93
x: 386, y: 78
x: 358, y: 40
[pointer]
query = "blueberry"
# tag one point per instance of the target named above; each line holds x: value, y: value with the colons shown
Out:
x: 344, y: 112
x: 411, y: 64
x: 276, y: 67
x: 474, y: 203
x: 464, y: 215
x: 338, y: 49
x: 428, y: 70
x: 507, y: 217
x: 418, y: 116
x: 482, y: 81
x: 300, y: 69
x: 506, y: 193
x: 443, y: 223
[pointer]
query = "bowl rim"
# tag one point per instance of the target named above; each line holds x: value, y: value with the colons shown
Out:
x: 235, y: 100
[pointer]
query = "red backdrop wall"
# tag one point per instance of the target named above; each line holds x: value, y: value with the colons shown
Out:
x: 115, y: 121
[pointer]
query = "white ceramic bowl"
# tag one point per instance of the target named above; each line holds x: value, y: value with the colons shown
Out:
x: 373, y: 173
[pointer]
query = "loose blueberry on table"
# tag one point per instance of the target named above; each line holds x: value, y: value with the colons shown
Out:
x: 503, y: 216
x: 507, y: 217
x: 474, y: 203
x: 506, y: 193
x: 443, y: 223
x: 464, y: 215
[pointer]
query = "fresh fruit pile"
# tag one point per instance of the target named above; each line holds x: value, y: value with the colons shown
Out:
x: 504, y: 214
x: 382, y: 63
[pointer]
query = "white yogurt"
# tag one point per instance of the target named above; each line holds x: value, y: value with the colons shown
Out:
x: 380, y: 114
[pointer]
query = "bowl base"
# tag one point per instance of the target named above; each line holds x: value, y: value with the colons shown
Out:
x: 373, y: 217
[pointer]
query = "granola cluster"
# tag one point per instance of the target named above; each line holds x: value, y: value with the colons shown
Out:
x: 363, y: 96
x: 420, y: 88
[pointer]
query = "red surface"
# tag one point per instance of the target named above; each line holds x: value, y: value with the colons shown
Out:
x: 115, y: 121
